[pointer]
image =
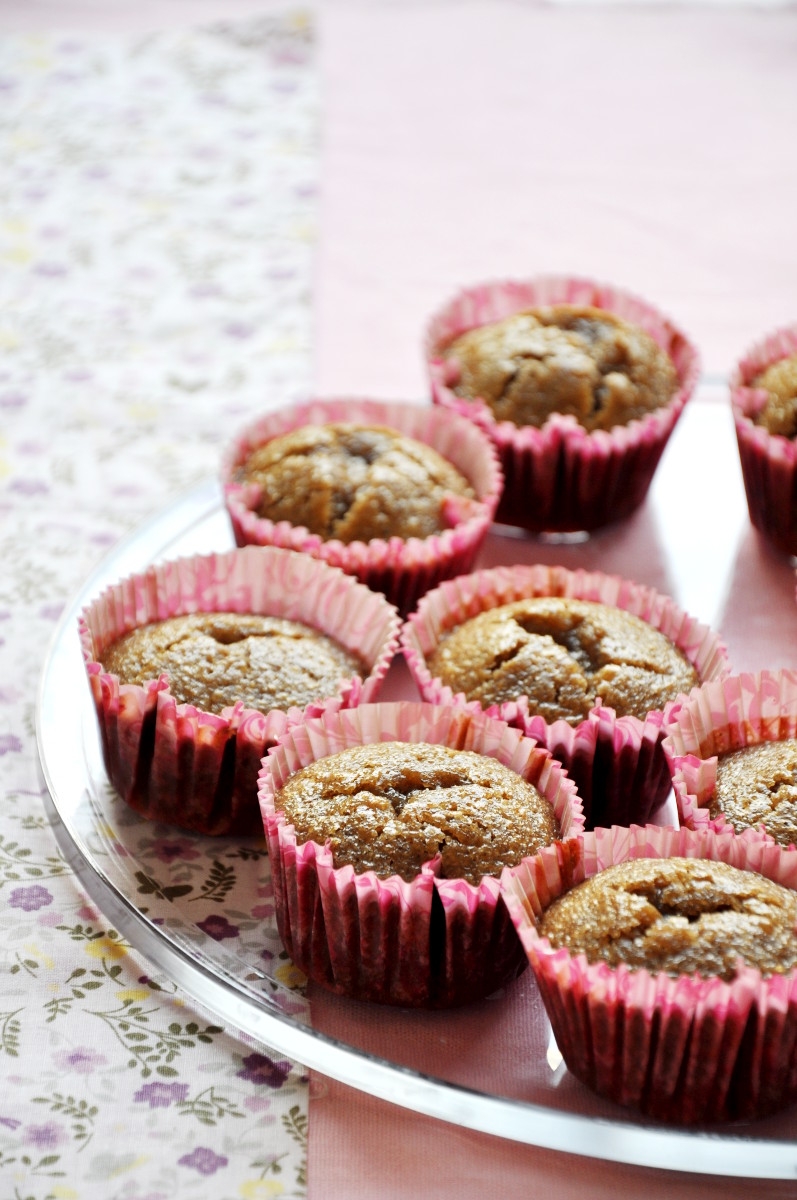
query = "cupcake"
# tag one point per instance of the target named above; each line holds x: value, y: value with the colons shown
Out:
x: 387, y: 827
x: 578, y: 384
x: 666, y: 963
x: 732, y: 750
x: 197, y: 665
x: 582, y: 662
x: 764, y: 403
x: 398, y: 495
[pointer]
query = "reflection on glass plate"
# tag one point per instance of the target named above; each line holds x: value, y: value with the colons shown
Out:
x: 200, y: 910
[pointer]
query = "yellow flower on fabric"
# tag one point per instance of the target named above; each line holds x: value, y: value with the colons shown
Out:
x: 8, y: 340
x: 104, y: 948
x: 291, y: 976
x: 33, y: 951
x: 260, y: 1189
x: 20, y: 254
x: 143, y: 412
x: 61, y: 1192
x: 15, y: 227
x: 133, y: 994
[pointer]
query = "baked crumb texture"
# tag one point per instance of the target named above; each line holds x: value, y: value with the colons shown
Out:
x: 779, y: 381
x: 575, y: 360
x: 763, y: 390
x: 354, y: 482
x: 393, y: 806
x: 679, y: 916
x: 758, y: 785
x: 668, y: 973
x: 215, y: 660
x: 565, y: 655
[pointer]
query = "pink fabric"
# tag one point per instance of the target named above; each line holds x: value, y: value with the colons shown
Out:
x: 646, y: 147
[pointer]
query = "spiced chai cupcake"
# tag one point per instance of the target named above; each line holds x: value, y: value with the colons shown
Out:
x: 666, y: 962
x: 763, y: 390
x: 197, y: 664
x: 397, y: 494
x: 583, y: 662
x: 387, y: 828
x: 731, y: 746
x: 578, y: 384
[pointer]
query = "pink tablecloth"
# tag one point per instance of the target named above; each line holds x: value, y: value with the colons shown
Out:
x: 648, y: 146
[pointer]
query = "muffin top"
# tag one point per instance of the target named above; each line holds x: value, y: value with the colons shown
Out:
x: 677, y: 915
x: 390, y: 807
x: 354, y: 482
x: 759, y: 783
x: 779, y: 414
x: 580, y: 361
x: 565, y: 655
x: 216, y: 659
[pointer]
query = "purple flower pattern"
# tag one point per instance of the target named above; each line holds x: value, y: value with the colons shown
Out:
x: 203, y: 1160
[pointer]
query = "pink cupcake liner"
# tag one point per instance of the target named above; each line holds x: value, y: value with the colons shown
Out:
x: 769, y: 461
x: 685, y: 1050
x: 616, y: 762
x: 563, y: 478
x: 432, y: 943
x: 740, y: 710
x: 402, y: 569
x: 175, y: 763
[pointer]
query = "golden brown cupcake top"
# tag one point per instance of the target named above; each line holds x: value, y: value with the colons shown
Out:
x: 759, y: 784
x: 354, y: 482
x: 779, y: 414
x: 584, y: 362
x: 677, y: 915
x: 389, y: 807
x: 215, y: 659
x: 566, y: 655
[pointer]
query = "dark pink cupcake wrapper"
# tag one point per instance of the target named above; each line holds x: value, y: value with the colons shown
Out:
x: 724, y: 715
x: 616, y: 762
x: 684, y: 1050
x: 433, y: 942
x: 769, y: 461
x: 562, y: 477
x: 175, y: 763
x: 402, y: 569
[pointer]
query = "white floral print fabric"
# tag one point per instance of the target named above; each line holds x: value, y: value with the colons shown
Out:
x: 157, y: 200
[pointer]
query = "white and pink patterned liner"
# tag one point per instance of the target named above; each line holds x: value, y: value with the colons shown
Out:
x: 369, y: 937
x: 562, y: 476
x: 724, y: 715
x: 402, y: 569
x: 768, y: 460
x: 176, y: 763
x: 687, y: 1050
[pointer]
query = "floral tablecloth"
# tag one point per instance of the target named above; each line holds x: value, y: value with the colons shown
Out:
x: 157, y: 206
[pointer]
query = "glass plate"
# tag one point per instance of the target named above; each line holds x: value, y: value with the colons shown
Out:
x: 145, y: 879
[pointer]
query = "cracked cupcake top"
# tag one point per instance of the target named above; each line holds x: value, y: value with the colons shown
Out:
x: 779, y: 414
x: 580, y: 361
x: 565, y: 655
x: 215, y: 659
x: 354, y: 482
x: 677, y: 915
x: 759, y: 784
x: 389, y: 807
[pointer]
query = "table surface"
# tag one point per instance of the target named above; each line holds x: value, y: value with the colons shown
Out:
x: 460, y: 141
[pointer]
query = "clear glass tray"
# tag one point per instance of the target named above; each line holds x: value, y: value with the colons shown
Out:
x: 148, y: 890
